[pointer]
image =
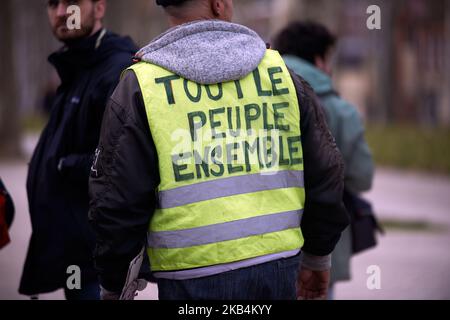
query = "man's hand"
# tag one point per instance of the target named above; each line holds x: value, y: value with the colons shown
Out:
x: 313, y: 285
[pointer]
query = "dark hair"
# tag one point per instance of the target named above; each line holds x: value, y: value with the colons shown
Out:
x: 305, y: 40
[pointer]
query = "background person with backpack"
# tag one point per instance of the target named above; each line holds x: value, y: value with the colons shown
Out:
x: 308, y: 49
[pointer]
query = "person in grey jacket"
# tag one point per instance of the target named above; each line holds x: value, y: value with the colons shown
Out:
x: 307, y: 49
x: 203, y: 46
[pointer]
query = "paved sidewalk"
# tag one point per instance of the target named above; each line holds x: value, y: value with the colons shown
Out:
x: 411, y: 196
x: 414, y: 264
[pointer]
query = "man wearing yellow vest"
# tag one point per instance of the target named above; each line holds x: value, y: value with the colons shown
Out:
x: 218, y: 159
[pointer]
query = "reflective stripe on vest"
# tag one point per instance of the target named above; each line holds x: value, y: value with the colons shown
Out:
x: 231, y: 168
x: 225, y: 231
x: 229, y: 187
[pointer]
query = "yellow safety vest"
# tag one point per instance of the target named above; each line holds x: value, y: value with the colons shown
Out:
x: 231, y: 168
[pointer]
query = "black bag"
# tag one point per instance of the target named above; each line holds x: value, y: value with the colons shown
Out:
x: 364, y: 224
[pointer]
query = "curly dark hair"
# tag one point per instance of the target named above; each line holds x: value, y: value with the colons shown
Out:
x: 306, y: 40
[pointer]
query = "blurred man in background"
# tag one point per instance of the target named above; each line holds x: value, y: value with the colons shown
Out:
x: 89, y: 66
x: 222, y: 229
x: 308, y: 49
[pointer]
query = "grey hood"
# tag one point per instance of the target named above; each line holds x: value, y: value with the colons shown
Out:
x: 207, y: 52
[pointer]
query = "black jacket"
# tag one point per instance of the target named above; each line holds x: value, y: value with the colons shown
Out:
x: 125, y: 176
x: 58, y: 174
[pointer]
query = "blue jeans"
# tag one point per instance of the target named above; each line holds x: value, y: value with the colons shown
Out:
x: 274, y: 280
x: 88, y: 291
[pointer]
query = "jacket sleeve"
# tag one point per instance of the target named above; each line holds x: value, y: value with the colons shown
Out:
x: 359, y: 170
x: 325, y: 216
x: 122, y: 186
x: 76, y: 167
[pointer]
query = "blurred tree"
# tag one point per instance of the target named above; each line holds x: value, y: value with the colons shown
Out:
x: 446, y: 84
x: 9, y: 115
x: 140, y: 19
